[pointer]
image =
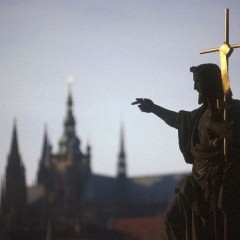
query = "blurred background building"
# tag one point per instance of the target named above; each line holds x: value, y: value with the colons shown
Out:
x: 69, y: 201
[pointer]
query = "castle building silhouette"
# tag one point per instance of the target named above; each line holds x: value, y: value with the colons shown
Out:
x: 69, y: 201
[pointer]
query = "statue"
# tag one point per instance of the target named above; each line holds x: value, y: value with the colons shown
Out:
x: 207, y: 205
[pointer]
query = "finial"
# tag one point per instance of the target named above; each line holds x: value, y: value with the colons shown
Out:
x: 70, y: 82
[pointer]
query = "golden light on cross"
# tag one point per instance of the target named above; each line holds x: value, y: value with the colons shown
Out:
x: 70, y: 82
x: 225, y: 51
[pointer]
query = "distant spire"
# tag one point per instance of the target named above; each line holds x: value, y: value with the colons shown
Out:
x: 45, y: 159
x: 70, y: 82
x: 14, y: 150
x: 46, y: 149
x: 69, y: 142
x: 122, y: 150
x: 69, y: 121
x: 16, y: 196
x: 122, y: 155
x: 88, y: 157
x: 45, y: 141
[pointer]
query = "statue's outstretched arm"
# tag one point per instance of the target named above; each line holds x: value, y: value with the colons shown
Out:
x: 147, y: 105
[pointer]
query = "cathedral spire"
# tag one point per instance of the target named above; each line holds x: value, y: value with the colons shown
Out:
x: 122, y: 155
x: 69, y: 121
x: 45, y: 142
x: 14, y: 150
x: 70, y: 101
x: 45, y: 162
x: 15, y: 188
x: 69, y: 142
x: 46, y: 147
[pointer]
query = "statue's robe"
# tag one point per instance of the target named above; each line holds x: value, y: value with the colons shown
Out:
x: 211, y: 195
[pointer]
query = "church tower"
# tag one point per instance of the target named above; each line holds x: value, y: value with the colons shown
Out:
x: 14, y: 195
x: 69, y: 152
x: 64, y: 173
x: 71, y: 166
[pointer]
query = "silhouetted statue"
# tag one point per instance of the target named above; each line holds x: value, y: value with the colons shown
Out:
x: 207, y: 205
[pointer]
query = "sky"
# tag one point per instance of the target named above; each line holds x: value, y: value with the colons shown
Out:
x: 116, y: 51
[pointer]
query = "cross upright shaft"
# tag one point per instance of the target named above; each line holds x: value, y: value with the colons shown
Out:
x: 226, y: 27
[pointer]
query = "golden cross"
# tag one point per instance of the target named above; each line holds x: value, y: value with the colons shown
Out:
x: 226, y: 36
x: 225, y: 51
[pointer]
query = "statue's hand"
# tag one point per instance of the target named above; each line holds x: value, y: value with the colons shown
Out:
x: 145, y: 105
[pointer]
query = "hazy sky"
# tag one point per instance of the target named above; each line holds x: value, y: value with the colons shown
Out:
x: 116, y: 50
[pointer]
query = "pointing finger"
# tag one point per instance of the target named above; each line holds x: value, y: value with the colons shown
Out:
x: 139, y: 101
x: 134, y: 103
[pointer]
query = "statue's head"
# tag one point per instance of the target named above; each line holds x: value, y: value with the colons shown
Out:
x: 207, y: 81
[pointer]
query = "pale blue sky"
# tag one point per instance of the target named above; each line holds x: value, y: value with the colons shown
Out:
x: 116, y: 51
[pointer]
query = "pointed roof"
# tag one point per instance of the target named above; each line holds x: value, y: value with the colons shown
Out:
x: 69, y: 142
x: 14, y: 149
x: 122, y: 149
x: 122, y: 155
x: 69, y: 120
x: 14, y: 145
x: 45, y: 142
x: 46, y: 149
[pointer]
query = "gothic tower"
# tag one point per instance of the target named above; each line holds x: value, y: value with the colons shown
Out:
x: 69, y: 152
x: 14, y: 195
